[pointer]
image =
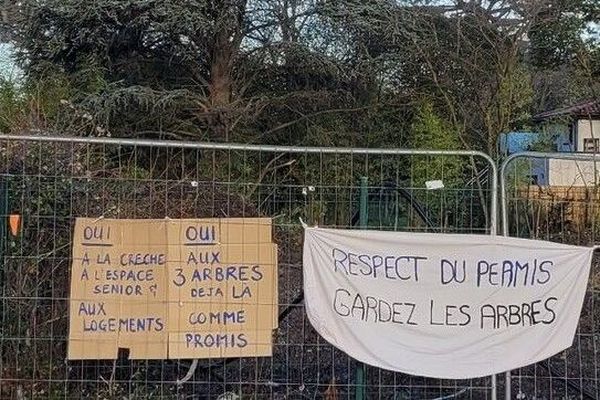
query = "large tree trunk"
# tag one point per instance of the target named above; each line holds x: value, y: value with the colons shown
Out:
x: 225, y: 48
x: 220, y: 73
x: 220, y: 90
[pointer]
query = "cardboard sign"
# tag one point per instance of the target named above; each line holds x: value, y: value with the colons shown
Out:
x: 222, y: 284
x: 441, y: 305
x: 197, y: 288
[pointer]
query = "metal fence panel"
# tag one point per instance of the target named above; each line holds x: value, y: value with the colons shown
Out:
x: 555, y: 197
x: 51, y: 181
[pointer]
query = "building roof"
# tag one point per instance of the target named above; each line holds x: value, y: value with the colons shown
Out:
x: 584, y: 109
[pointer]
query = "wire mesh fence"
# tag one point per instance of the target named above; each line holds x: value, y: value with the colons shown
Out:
x: 49, y: 182
x: 554, y: 196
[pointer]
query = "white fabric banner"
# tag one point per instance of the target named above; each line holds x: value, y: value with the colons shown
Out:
x: 441, y: 305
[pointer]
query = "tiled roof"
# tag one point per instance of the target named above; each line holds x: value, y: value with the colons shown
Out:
x: 584, y: 109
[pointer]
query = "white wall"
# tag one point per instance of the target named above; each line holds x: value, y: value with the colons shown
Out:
x: 587, y: 129
x: 573, y: 173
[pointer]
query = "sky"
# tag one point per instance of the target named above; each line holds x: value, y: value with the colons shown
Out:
x: 8, y: 69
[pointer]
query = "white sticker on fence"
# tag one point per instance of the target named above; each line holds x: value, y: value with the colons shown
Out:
x: 444, y: 306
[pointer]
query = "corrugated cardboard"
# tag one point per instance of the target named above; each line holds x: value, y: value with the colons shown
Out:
x: 222, y: 272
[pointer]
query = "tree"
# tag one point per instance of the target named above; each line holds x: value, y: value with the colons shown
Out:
x: 193, y: 62
x: 344, y: 72
x: 464, y: 56
x: 429, y: 131
x: 558, y: 32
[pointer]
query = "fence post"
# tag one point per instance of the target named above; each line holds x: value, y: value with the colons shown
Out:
x: 4, y: 223
x: 363, y: 216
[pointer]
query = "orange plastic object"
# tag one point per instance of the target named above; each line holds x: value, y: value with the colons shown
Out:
x: 14, y: 221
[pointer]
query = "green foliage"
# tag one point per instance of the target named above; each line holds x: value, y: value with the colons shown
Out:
x: 46, y: 92
x: 557, y: 35
x: 12, y: 105
x: 344, y: 72
x: 564, y: 53
x: 429, y: 131
x: 546, y: 142
x: 516, y: 96
x: 34, y: 105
